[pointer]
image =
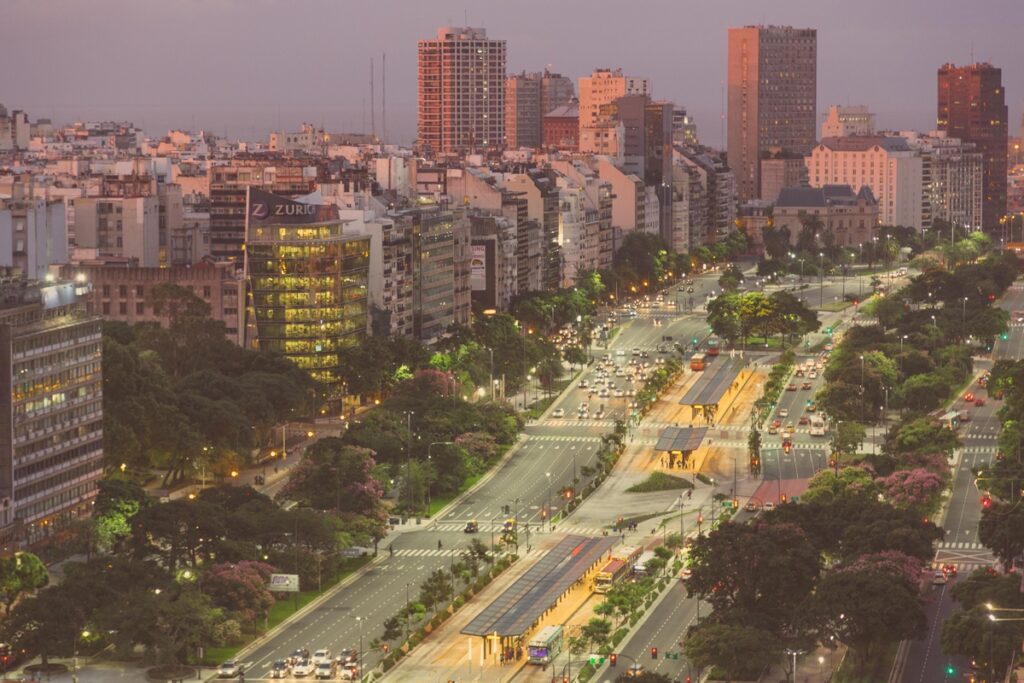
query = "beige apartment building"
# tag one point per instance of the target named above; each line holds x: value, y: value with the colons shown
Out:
x: 461, y: 92
x: 772, y: 98
x: 602, y: 87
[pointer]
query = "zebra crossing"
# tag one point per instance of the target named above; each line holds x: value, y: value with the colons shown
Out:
x: 562, y: 438
x: 968, y: 450
x: 965, y: 545
x: 447, y: 552
x: 964, y: 555
x: 577, y: 423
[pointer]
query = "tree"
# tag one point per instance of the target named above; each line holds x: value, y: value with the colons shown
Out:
x: 392, y: 628
x: 777, y: 242
x: 1001, y: 530
x: 21, y: 573
x: 918, y: 489
x: 117, y: 503
x: 920, y: 435
x: 46, y: 624
x: 867, y: 610
x: 336, y: 476
x: 643, y: 677
x: 741, y: 651
x: 990, y: 645
x: 436, y: 588
x: 597, y: 631
x: 847, y: 436
x: 923, y: 393
x: 827, y: 486
x: 240, y: 587
x: 763, y: 569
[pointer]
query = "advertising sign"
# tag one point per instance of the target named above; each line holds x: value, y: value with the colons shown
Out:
x: 478, y: 268
x: 266, y: 208
x: 284, y: 583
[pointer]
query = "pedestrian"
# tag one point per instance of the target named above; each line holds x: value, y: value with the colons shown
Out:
x: 391, y: 549
x: 439, y: 544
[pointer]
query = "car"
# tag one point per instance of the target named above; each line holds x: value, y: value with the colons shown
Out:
x: 603, y: 393
x: 280, y: 669
x: 584, y: 384
x: 324, y: 671
x: 790, y: 387
x: 229, y: 669
x: 301, y: 653
x: 347, y: 656
x: 751, y: 506
x: 773, y: 429
x: 804, y: 420
x: 635, y: 670
x: 636, y: 351
x: 348, y: 672
x: 689, y: 290
x: 783, y: 412
x: 558, y: 412
x: 949, y: 570
x: 769, y: 506
x: 630, y: 391
x: 969, y: 397
x: 302, y: 668
x: 472, y: 527
x: 685, y: 573
x: 813, y: 374
x: 599, y: 414
x: 965, y: 416
x: 805, y: 386
x: 829, y: 346
x: 939, y: 578
x: 979, y: 402
x: 812, y: 407
x: 619, y: 393
x: 799, y: 372
x: 644, y: 354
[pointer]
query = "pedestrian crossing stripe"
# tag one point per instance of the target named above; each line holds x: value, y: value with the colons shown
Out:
x: 978, y: 449
x: 558, y: 437
x: 961, y: 546
x: 447, y: 552
x: 578, y: 423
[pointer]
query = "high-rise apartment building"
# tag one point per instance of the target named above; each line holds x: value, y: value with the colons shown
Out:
x: 772, y: 83
x: 228, y: 184
x: 528, y: 98
x: 461, y: 92
x: 33, y: 233
x: 841, y: 121
x: 51, y: 427
x: 972, y: 107
x: 604, y: 86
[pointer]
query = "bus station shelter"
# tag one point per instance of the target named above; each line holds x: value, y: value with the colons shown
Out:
x: 679, y: 443
x: 505, y: 624
x: 718, y: 383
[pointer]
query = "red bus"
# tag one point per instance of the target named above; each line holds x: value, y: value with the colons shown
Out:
x: 697, y: 362
x: 712, y: 347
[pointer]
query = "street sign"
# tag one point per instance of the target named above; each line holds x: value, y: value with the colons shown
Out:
x: 284, y: 583
x: 727, y: 504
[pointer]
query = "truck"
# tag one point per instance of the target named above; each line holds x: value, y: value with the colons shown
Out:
x: 545, y: 646
x: 640, y: 566
x: 819, y: 427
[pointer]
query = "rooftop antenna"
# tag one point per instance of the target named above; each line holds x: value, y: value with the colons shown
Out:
x: 363, y: 127
x: 384, y: 96
x: 721, y: 117
x: 373, y: 117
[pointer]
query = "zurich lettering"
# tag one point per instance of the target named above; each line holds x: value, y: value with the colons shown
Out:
x: 294, y: 209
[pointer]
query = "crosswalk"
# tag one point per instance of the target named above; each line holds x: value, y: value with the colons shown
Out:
x: 447, y: 552
x: 978, y: 449
x: 963, y: 545
x: 562, y: 438
x: 964, y: 555
x: 577, y: 423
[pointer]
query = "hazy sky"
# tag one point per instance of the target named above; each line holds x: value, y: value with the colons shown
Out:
x: 245, y: 67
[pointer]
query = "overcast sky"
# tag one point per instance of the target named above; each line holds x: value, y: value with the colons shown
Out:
x: 245, y: 67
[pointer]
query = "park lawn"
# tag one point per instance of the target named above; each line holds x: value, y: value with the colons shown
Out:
x: 878, y: 670
x: 281, y: 610
x: 659, y: 481
x: 436, y: 504
x: 836, y: 306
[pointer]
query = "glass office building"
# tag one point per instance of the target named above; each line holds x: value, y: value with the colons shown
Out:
x: 307, y: 286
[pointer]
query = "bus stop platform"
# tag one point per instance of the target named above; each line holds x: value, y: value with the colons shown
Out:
x: 512, y: 616
x: 679, y: 443
x: 721, y: 378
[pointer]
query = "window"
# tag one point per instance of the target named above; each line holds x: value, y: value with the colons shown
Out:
x: 139, y: 292
x: 122, y: 291
x: 106, y: 290
x: 106, y: 308
x: 122, y: 308
x: 206, y: 292
x: 140, y: 308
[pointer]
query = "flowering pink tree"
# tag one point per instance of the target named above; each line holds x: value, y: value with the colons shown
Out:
x: 889, y: 562
x: 482, y: 445
x: 918, y: 489
x: 240, y: 587
x: 933, y: 462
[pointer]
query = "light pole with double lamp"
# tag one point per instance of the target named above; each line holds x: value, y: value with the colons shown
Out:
x: 360, y: 660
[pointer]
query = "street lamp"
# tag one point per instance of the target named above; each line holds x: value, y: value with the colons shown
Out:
x: 794, y: 654
x: 821, y: 279
x: 74, y: 663
x: 548, y: 475
x: 360, y: 620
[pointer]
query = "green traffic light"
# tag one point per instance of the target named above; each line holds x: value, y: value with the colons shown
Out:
x: 950, y: 670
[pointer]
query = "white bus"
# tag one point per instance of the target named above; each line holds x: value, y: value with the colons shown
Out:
x: 819, y: 427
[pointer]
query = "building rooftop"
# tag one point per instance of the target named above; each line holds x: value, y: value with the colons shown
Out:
x: 811, y: 197
x: 566, y: 111
x: 862, y: 143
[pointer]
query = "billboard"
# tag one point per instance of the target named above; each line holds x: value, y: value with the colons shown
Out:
x: 284, y: 583
x: 267, y: 208
x: 478, y: 268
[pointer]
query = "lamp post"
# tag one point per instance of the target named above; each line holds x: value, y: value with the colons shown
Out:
x: 429, y: 446
x: 548, y: 475
x: 963, y: 313
x: 408, y: 448
x: 360, y: 620
x: 492, y: 372
x: 794, y: 654
x: 821, y: 279
x: 74, y: 663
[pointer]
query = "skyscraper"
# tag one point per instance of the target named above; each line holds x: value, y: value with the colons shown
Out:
x: 604, y: 86
x: 772, y: 97
x: 461, y: 92
x: 972, y: 107
x: 528, y: 97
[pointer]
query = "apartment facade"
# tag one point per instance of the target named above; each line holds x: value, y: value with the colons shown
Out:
x: 887, y: 165
x: 952, y: 176
x: 972, y: 107
x: 604, y: 86
x: 850, y: 217
x: 772, y: 97
x: 461, y: 92
x: 33, y: 233
x: 840, y: 121
x: 51, y: 428
x: 528, y: 98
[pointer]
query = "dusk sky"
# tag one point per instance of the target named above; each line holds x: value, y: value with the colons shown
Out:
x: 244, y: 66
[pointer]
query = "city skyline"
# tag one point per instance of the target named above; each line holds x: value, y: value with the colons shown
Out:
x: 194, y: 75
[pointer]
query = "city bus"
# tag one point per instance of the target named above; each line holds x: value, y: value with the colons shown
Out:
x: 640, y: 566
x: 610, y: 574
x: 545, y: 646
x: 818, y: 425
x: 697, y: 361
x: 713, y: 347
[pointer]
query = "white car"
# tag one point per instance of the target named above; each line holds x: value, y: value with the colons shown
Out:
x: 768, y: 506
x: 603, y: 393
x: 783, y: 412
x: 302, y: 668
x: 321, y: 656
x: 229, y: 669
x: 325, y: 671
x: 619, y: 393
x: 812, y: 375
x: 557, y: 412
x: 280, y: 669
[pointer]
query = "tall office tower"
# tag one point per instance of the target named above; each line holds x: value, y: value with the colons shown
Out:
x: 772, y: 97
x: 972, y: 107
x: 461, y: 92
x: 51, y: 427
x: 556, y: 91
x: 604, y: 86
x: 228, y: 185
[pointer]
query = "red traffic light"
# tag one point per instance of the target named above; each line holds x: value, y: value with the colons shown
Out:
x: 986, y: 501
x: 613, y: 659
x: 991, y: 297
x: 689, y: 679
x: 654, y: 653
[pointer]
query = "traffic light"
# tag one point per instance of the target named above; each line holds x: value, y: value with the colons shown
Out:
x: 950, y: 670
x: 784, y: 498
x: 613, y: 659
x: 384, y: 648
x: 986, y: 501
x: 828, y: 330
x: 568, y: 494
x: 735, y: 503
x: 1004, y: 336
x: 695, y: 341
x: 689, y: 679
x: 654, y: 653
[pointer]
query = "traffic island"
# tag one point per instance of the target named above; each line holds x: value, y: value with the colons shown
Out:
x: 171, y: 673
